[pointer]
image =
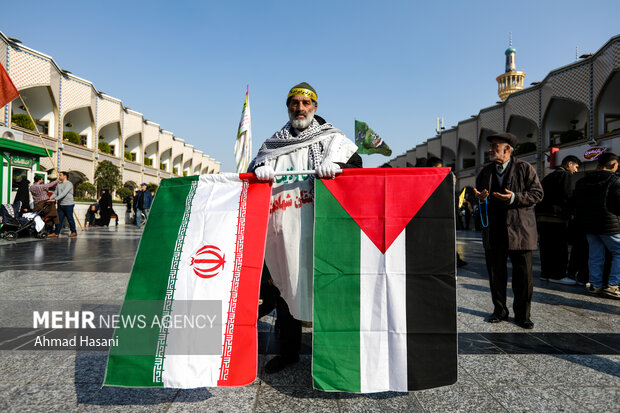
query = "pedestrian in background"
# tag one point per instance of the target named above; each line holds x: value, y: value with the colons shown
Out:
x: 597, y: 198
x: 552, y: 215
x: 63, y: 196
x: 142, y: 201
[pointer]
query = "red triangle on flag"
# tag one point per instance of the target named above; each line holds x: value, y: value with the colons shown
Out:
x: 382, y: 201
x: 8, y: 91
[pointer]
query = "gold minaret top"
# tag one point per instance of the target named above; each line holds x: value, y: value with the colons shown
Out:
x: 512, y: 80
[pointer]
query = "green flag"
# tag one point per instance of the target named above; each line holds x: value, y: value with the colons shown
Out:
x: 368, y: 142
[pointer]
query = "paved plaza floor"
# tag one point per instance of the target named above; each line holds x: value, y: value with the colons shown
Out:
x: 570, y: 361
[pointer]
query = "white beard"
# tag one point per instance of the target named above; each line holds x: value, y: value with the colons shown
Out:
x: 301, y: 124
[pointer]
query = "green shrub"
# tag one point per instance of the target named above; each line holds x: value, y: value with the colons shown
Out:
x: 72, y: 137
x: 148, y: 161
x: 104, y: 147
x: 162, y: 166
x: 184, y: 173
x: 123, y: 193
x: 152, y: 187
x: 85, y: 190
x: 23, y: 121
x: 175, y: 171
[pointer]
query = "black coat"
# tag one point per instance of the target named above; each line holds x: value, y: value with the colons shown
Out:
x: 597, y: 200
x: 520, y: 219
x: 556, y: 205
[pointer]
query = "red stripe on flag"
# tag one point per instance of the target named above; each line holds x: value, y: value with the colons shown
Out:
x: 239, y: 363
x: 385, y: 200
x: 8, y: 91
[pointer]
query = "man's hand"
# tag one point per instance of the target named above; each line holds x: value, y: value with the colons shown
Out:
x: 265, y: 173
x: 51, y: 200
x: 481, y: 195
x: 506, y: 196
x: 328, y: 169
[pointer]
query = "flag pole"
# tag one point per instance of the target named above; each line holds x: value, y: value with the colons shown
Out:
x: 38, y: 133
x: 302, y: 172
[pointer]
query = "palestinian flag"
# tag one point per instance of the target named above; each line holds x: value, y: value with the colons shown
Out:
x: 189, y: 316
x: 384, y: 281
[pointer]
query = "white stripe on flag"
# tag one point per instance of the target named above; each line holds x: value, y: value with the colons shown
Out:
x: 213, y: 221
x: 383, y: 319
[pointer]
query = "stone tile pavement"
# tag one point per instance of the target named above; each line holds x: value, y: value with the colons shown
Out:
x: 570, y: 362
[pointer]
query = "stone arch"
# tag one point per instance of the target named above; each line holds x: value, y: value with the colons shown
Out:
x: 565, y: 121
x: 42, y: 106
x: 607, y: 108
x: 82, y: 121
x: 526, y: 132
x: 111, y: 134
x: 466, y: 155
x: 133, y: 147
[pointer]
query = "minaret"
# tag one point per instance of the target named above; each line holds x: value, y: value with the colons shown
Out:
x: 511, y: 80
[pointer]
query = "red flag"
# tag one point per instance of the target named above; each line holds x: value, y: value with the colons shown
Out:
x: 8, y: 91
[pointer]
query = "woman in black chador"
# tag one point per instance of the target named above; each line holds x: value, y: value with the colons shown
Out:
x: 105, y: 206
x: 23, y: 195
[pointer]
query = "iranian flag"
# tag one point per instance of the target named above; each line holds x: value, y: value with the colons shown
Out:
x: 189, y: 315
x: 384, y: 281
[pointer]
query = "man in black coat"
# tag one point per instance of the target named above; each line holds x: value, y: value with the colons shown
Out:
x: 597, y: 199
x: 552, y: 215
x: 509, y: 188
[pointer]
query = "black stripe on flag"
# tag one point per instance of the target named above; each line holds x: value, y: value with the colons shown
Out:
x: 431, y: 291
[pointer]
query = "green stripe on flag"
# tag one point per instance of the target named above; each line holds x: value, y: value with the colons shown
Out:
x: 132, y: 362
x: 336, y: 336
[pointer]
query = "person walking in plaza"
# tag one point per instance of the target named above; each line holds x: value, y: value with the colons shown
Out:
x: 63, y: 196
x: 305, y: 142
x: 552, y: 215
x: 142, y: 202
x: 509, y: 188
x: 597, y: 198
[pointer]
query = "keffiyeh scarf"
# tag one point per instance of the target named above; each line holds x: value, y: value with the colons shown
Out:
x: 283, y: 142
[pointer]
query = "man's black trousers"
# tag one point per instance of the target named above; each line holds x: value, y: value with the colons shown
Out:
x: 288, y: 329
x: 522, y: 286
x: 553, y: 242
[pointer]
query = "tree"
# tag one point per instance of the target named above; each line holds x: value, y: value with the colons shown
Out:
x: 107, y: 176
x: 104, y: 147
x: 123, y: 192
x: 152, y: 187
x: 85, y: 190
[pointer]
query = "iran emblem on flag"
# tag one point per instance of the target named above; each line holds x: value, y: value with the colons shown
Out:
x: 384, y: 281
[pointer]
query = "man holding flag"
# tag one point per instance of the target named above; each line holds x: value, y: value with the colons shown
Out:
x: 305, y: 142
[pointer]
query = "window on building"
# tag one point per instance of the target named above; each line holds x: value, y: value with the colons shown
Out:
x: 112, y: 150
x: 83, y: 140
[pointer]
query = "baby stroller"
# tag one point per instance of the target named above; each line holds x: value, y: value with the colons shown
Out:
x: 13, y: 222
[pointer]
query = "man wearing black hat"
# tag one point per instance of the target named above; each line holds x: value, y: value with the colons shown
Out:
x: 508, y: 189
x: 306, y: 142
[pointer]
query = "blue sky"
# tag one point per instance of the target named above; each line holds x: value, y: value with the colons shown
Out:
x: 394, y: 64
